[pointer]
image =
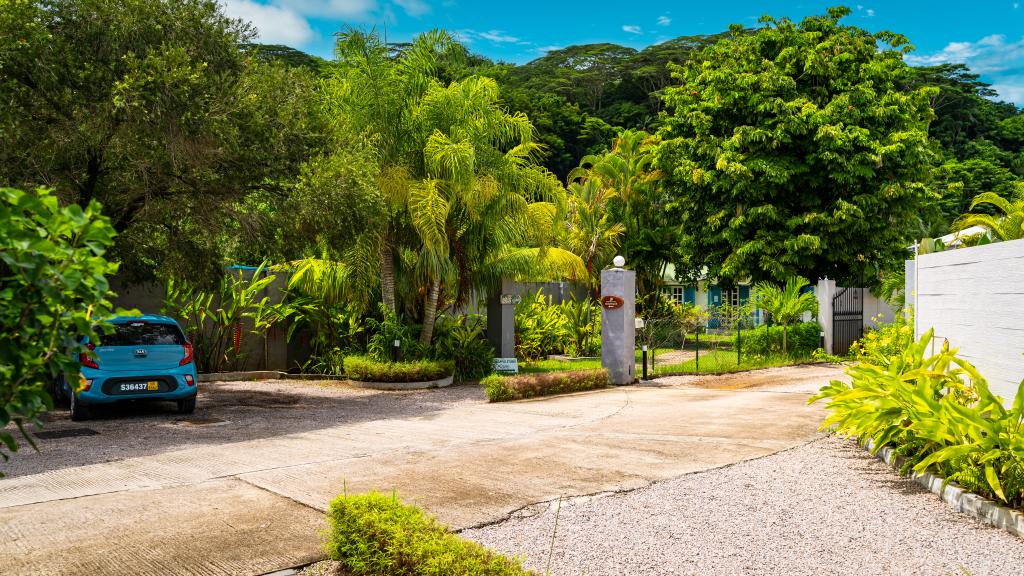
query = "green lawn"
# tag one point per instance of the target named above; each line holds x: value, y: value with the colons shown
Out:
x: 563, y: 365
x: 722, y: 361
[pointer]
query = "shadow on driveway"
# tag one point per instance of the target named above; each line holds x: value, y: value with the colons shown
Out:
x: 226, y: 412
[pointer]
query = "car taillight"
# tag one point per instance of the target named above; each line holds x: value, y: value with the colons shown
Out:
x: 188, y: 354
x: 85, y: 360
x: 86, y: 384
x: 189, y: 380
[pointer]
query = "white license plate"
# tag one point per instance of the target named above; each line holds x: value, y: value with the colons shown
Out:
x: 151, y: 386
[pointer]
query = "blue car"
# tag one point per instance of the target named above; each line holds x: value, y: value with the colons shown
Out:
x: 144, y: 358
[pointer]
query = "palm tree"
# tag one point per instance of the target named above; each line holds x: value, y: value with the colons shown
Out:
x: 1009, y: 226
x: 466, y: 201
x: 592, y: 234
x: 786, y: 304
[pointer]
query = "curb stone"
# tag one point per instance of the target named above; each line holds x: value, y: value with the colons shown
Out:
x: 988, y: 511
x: 443, y: 382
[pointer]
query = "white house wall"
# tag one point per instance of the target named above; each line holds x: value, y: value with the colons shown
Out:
x: 974, y: 297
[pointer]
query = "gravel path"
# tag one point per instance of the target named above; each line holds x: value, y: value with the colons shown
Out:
x: 823, y: 508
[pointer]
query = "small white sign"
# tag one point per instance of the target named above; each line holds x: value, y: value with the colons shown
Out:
x: 506, y: 365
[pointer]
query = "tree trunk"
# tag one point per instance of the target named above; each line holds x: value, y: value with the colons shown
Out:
x: 430, y: 313
x: 387, y: 275
x: 785, y: 329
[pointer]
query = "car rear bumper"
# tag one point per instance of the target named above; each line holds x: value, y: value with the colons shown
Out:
x: 107, y: 387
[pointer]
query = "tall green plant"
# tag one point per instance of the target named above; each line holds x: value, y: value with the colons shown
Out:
x: 213, y: 318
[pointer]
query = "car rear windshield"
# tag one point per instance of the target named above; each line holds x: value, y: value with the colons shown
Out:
x: 142, y: 334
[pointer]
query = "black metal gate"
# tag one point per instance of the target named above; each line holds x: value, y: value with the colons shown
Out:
x: 847, y: 319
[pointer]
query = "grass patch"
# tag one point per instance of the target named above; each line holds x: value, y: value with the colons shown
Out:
x: 504, y: 388
x: 372, y: 534
x: 366, y: 369
x: 540, y: 366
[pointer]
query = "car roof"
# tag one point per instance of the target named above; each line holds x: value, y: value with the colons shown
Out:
x: 155, y: 318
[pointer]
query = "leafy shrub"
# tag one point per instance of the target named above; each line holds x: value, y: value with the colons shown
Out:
x: 819, y: 355
x: 886, y: 341
x: 938, y: 412
x: 461, y: 340
x: 539, y: 327
x: 366, y: 369
x: 371, y: 534
x: 503, y: 388
x: 803, y: 339
x: 53, y: 285
x: 388, y: 329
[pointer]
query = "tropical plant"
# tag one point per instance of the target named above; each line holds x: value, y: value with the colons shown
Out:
x: 582, y: 325
x: 387, y: 330
x: 785, y: 304
x: 461, y: 340
x: 592, y: 233
x: 1009, y: 226
x: 939, y: 413
x: 213, y: 319
x: 53, y: 284
x: 539, y: 327
x: 886, y: 342
x: 467, y: 204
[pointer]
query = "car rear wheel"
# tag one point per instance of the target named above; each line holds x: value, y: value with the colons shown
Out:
x: 79, y: 411
x: 187, y: 406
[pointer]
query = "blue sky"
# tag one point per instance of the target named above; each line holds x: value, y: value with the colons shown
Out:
x: 987, y: 35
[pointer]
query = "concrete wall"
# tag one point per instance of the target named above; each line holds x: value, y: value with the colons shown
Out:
x: 974, y: 297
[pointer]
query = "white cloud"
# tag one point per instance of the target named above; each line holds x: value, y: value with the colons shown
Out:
x: 664, y: 20
x: 276, y: 24
x: 870, y: 12
x: 991, y: 54
x: 1011, y: 89
x: 414, y: 8
x: 546, y: 49
x: 497, y: 36
x: 351, y: 9
x: 632, y: 29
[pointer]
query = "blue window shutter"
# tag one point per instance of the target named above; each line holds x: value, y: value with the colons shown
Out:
x: 744, y: 294
x: 690, y: 295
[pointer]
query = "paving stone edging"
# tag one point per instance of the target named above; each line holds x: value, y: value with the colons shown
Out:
x: 443, y: 382
x: 983, y: 509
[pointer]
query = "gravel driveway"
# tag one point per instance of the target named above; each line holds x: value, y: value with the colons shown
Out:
x: 823, y: 508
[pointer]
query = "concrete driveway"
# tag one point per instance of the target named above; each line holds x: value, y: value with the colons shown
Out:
x: 240, y: 487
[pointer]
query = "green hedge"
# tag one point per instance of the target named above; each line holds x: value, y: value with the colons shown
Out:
x: 503, y: 388
x: 366, y: 369
x: 803, y: 338
x: 373, y: 534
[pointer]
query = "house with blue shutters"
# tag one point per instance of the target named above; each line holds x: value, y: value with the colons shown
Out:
x: 709, y: 294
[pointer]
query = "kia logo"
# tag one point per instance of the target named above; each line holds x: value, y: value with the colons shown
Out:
x: 140, y: 352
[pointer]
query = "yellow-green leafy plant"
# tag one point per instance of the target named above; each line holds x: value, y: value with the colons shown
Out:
x: 936, y: 410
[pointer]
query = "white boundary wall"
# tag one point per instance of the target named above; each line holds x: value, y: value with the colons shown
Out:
x: 974, y: 297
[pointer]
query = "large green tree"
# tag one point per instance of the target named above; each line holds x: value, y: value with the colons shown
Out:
x: 794, y: 150
x: 153, y: 108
